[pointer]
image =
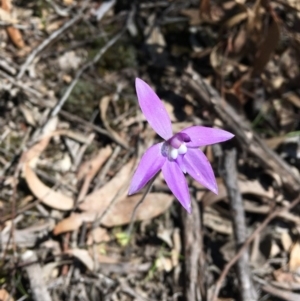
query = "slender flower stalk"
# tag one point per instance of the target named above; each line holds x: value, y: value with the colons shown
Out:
x: 178, y: 154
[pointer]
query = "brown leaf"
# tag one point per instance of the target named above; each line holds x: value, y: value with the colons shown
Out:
x: 220, y: 62
x: 6, y: 17
x: 267, y: 47
x: 204, y: 9
x: 73, y: 222
x: 153, y: 205
x: 294, y: 263
x: 236, y: 19
x: 14, y: 33
x: 90, y: 168
x: 15, y: 36
x: 5, y: 296
x: 286, y: 240
x: 214, y: 220
x: 97, y: 235
x: 84, y: 256
x: 193, y: 15
x: 102, y: 197
x: 283, y: 276
x: 120, y: 213
x: 49, y: 197
x: 239, y: 41
x: 6, y: 5
x: 35, y: 151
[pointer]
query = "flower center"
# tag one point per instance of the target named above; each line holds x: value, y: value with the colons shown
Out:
x: 175, y: 146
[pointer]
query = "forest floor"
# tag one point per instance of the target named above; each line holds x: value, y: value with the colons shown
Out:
x: 72, y: 134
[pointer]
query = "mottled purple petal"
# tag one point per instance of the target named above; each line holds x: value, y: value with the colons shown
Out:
x: 201, y: 135
x: 153, y: 109
x: 198, y: 167
x: 177, y: 183
x: 151, y: 162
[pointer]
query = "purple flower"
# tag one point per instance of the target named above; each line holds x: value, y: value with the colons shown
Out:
x: 178, y: 154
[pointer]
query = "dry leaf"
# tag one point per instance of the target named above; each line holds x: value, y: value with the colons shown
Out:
x: 286, y: 240
x: 15, y: 36
x: 107, y: 259
x: 14, y: 33
x: 35, y: 151
x: 120, y: 213
x: 236, y: 19
x: 220, y: 62
x: 164, y: 264
x: 90, y: 168
x: 73, y: 222
x: 101, y: 198
x: 213, y: 220
x: 30, y: 156
x: 239, y: 41
x: 283, y: 276
x: 6, y: 5
x: 294, y: 263
x: 204, y: 9
x: 193, y: 15
x: 292, y: 98
x: 6, y: 17
x: 285, y: 280
x: 68, y: 2
x: 267, y: 47
x: 294, y: 4
x: 83, y: 256
x: 97, y: 235
x: 49, y: 197
x: 5, y: 296
x: 153, y: 205
x: 165, y: 235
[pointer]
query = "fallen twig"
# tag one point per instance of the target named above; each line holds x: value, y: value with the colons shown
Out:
x: 229, y: 174
x: 194, y: 288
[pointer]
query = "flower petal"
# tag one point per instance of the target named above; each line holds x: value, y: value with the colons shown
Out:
x: 180, y: 163
x: 153, y: 109
x: 198, y: 167
x: 201, y: 135
x: 150, y: 164
x: 177, y: 183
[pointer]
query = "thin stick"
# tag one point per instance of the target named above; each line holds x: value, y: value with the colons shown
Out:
x: 229, y: 175
x: 132, y: 219
x: 193, y: 254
